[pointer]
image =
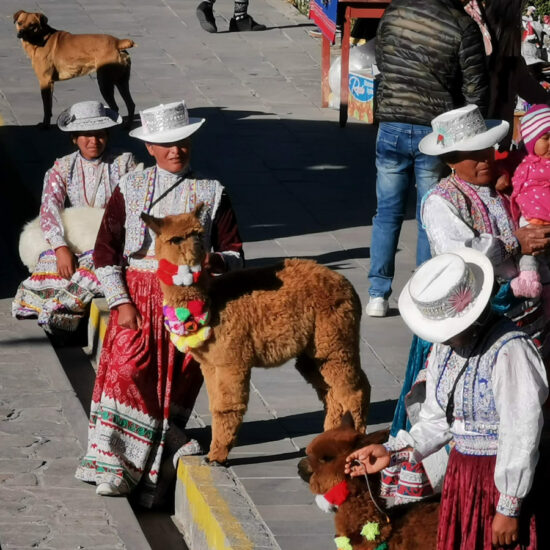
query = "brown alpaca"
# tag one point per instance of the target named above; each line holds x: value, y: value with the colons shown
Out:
x: 410, y: 527
x: 264, y: 317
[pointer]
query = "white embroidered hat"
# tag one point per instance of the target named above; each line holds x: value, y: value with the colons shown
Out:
x: 166, y: 123
x: 462, y: 129
x: 86, y: 116
x: 447, y: 294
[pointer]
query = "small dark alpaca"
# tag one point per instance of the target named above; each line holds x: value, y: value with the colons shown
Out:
x: 403, y: 527
x: 259, y: 317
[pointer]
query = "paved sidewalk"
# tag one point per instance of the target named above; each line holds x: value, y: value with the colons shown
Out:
x: 42, y: 427
x: 301, y: 186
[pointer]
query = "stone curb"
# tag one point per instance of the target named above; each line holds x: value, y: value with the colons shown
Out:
x: 213, y: 510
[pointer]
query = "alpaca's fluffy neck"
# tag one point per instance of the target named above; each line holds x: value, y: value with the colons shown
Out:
x: 178, y: 296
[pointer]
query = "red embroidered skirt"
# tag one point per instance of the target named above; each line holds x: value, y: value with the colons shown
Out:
x: 468, y: 506
x: 142, y: 386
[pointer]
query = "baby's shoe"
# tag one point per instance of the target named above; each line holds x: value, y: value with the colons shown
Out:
x: 527, y: 284
x: 192, y: 447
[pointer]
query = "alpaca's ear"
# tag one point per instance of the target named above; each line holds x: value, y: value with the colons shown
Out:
x: 197, y: 211
x: 17, y: 14
x: 378, y: 437
x: 154, y: 223
x: 43, y: 19
x: 347, y: 421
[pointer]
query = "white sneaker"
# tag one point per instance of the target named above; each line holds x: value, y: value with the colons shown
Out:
x: 377, y: 307
x: 110, y: 490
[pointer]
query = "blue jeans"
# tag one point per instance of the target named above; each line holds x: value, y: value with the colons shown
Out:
x: 399, y: 164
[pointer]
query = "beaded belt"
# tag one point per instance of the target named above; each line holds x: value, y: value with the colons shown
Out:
x: 478, y: 445
x: 143, y: 264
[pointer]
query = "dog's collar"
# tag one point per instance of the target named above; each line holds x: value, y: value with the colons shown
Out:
x: 179, y: 275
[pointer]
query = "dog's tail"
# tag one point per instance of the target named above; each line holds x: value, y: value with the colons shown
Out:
x: 125, y: 43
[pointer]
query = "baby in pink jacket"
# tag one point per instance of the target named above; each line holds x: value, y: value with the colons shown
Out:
x: 531, y: 195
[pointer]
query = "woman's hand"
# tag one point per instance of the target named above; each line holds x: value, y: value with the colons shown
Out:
x: 66, y: 262
x: 128, y: 316
x: 373, y: 458
x: 505, y: 530
x: 534, y: 239
x: 214, y: 263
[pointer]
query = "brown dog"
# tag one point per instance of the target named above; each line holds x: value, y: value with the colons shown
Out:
x: 410, y: 526
x: 59, y: 55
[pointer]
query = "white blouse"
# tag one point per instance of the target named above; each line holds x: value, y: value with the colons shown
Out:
x: 447, y: 231
x: 519, y: 387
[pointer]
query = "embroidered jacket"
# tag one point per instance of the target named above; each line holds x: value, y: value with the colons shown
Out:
x: 497, y: 409
x: 123, y: 238
x: 81, y: 182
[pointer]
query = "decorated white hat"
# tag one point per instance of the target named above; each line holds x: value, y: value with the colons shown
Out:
x: 86, y: 116
x: 462, y: 129
x: 447, y: 294
x: 166, y: 123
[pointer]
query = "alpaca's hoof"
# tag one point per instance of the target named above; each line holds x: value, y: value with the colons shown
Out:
x: 207, y: 462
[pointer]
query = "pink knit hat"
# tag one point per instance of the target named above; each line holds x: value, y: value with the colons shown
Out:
x: 534, y: 124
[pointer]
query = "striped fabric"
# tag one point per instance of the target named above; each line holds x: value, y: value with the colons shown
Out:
x: 535, y: 124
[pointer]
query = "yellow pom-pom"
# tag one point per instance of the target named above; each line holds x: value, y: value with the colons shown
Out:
x: 370, y: 530
x: 342, y: 543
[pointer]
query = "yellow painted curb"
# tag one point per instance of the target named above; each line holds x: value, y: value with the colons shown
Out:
x: 98, y: 321
x: 210, y: 511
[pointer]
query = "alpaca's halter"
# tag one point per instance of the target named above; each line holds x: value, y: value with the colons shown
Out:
x: 187, y: 324
x: 178, y: 275
x: 335, y: 497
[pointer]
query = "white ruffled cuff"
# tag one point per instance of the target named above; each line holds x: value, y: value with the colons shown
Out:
x: 113, y: 285
x: 509, y: 505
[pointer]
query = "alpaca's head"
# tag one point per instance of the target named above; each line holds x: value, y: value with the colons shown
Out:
x: 178, y: 238
x: 323, y: 468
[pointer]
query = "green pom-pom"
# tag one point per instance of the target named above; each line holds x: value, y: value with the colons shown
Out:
x: 342, y: 543
x: 370, y: 530
x: 383, y: 546
x: 182, y: 313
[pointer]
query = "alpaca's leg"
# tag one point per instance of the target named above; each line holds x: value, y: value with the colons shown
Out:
x: 308, y: 367
x: 228, y: 403
x: 337, y: 347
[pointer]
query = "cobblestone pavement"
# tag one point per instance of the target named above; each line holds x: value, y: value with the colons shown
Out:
x: 301, y: 186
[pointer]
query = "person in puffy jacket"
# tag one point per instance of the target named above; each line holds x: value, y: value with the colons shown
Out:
x: 432, y: 59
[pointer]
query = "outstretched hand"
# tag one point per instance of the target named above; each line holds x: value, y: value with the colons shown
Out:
x: 368, y: 460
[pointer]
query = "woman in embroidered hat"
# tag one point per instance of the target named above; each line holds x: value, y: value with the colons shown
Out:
x: 63, y: 281
x: 486, y: 384
x: 145, y: 389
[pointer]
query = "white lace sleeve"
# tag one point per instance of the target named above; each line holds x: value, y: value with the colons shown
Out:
x: 432, y: 431
x: 520, y: 388
x: 53, y: 202
x: 447, y: 231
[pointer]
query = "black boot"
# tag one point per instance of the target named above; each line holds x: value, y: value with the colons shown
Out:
x: 245, y: 24
x: 205, y: 15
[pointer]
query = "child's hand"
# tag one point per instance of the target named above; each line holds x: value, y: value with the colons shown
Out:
x: 128, y: 316
x: 66, y: 262
x: 505, y: 530
x: 372, y: 458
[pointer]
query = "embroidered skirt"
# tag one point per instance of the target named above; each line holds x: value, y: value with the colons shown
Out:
x: 57, y: 302
x: 468, y: 506
x: 144, y: 387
